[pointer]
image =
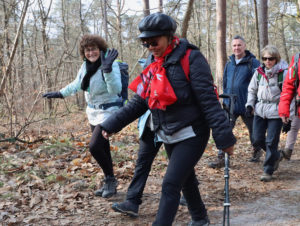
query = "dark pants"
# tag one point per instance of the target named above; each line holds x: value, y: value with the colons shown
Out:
x: 249, y: 124
x: 100, y: 150
x: 270, y: 142
x: 180, y: 175
x: 147, y: 151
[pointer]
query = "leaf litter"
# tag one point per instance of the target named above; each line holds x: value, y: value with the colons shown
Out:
x: 52, y: 183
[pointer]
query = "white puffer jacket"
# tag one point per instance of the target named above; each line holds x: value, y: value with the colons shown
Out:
x: 264, y: 95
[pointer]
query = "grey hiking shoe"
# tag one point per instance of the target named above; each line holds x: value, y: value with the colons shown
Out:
x: 127, y: 208
x: 287, y: 153
x: 203, y: 222
x: 266, y: 177
x: 99, y: 191
x: 219, y: 163
x: 256, y: 155
x: 109, y: 187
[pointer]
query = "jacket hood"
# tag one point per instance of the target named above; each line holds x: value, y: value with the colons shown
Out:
x: 282, y: 65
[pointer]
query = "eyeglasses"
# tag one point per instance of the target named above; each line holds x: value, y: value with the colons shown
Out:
x: 148, y: 44
x: 92, y: 49
x: 268, y: 58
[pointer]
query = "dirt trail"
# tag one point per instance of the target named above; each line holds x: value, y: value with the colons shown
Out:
x: 53, y: 184
x: 280, y: 207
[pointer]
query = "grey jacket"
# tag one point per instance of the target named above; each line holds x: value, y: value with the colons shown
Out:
x: 264, y: 95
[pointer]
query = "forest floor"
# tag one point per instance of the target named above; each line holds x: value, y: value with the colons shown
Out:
x: 52, y: 182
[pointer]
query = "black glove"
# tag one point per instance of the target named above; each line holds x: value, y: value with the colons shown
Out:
x: 249, y: 111
x: 53, y: 95
x: 286, y: 127
x: 106, y: 62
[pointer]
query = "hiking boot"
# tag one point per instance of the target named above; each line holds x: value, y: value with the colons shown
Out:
x: 266, y: 177
x: 109, y: 187
x: 182, y: 201
x: 203, y: 222
x: 99, y: 191
x: 219, y: 163
x: 127, y: 208
x: 256, y: 155
x: 287, y: 153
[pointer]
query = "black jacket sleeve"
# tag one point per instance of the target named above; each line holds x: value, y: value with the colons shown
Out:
x: 135, y: 108
x: 202, y: 87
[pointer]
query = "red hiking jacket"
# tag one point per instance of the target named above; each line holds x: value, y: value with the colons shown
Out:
x: 288, y: 90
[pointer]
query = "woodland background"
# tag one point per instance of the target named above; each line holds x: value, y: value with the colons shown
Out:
x: 47, y: 176
x: 39, y: 44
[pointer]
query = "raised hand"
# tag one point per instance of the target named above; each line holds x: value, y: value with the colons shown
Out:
x: 106, y: 62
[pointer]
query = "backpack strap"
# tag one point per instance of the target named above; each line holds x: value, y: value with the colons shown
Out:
x: 296, y: 61
x: 280, y: 79
x: 185, y: 64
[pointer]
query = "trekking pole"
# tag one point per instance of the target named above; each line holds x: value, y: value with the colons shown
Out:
x: 226, y: 218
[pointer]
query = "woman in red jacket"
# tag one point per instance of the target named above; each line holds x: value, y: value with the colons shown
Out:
x: 289, y: 89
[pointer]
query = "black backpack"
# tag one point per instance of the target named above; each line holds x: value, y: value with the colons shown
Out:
x: 124, y: 80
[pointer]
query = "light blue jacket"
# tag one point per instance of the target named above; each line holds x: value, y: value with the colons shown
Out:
x: 99, y: 91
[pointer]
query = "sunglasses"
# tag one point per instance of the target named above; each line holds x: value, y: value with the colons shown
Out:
x: 148, y: 44
x: 268, y: 58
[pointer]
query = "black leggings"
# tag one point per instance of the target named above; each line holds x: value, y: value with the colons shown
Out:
x: 100, y: 150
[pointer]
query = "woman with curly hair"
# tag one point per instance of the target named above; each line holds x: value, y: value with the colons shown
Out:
x: 100, y: 79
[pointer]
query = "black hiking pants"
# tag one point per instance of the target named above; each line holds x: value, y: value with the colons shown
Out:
x: 180, y: 175
x: 147, y: 151
x: 100, y: 150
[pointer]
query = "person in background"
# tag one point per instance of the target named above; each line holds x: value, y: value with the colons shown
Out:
x: 288, y: 109
x: 236, y: 78
x: 99, y: 77
x: 263, y: 99
x: 182, y: 113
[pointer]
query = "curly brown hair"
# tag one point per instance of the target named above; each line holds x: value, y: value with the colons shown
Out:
x: 92, y: 40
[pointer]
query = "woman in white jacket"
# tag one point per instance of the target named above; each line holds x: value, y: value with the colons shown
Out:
x: 263, y: 98
x: 100, y: 79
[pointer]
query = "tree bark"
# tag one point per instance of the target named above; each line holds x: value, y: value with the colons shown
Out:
x: 221, y: 40
x: 263, y: 23
x: 160, y: 6
x: 283, y: 40
x: 186, y: 19
x: 208, y: 18
x: 146, y: 8
x: 257, y: 30
x: 105, y: 20
x: 8, y: 66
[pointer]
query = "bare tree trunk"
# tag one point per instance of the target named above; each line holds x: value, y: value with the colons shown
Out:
x: 208, y: 18
x: 186, y: 19
x: 119, y: 25
x: 8, y: 66
x: 231, y: 26
x: 263, y: 22
x: 160, y: 6
x: 257, y: 30
x: 44, y: 15
x: 105, y: 20
x: 221, y: 40
x: 283, y: 40
x: 146, y: 8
